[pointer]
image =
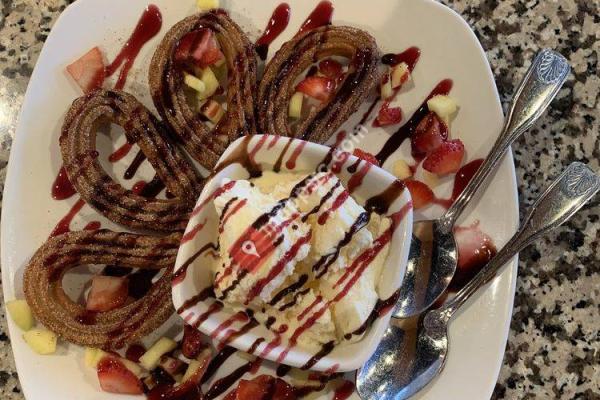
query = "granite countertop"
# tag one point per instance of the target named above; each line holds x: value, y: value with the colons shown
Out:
x: 554, y: 346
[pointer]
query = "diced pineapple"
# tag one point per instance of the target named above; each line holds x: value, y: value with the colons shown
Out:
x: 194, y: 83
x: 92, y: 356
x: 41, y: 341
x: 400, y: 74
x: 207, y: 4
x: 151, y: 358
x: 21, y: 314
x: 401, y: 169
x: 133, y: 367
x: 430, y: 179
x: 196, y: 367
x: 211, y: 83
x: 443, y: 106
x: 295, y: 107
x: 213, y: 111
x: 386, y: 87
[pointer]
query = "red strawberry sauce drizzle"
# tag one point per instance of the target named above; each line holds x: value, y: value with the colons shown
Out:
x: 120, y: 153
x: 147, y: 27
x: 277, y: 24
x: 291, y: 162
x: 193, y: 232
x: 337, y: 203
x: 357, y: 178
x: 320, y: 16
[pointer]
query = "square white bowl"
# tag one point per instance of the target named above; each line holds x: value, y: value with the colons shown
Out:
x: 298, y: 156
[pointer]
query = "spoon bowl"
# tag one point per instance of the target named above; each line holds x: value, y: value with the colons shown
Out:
x: 433, y: 254
x: 413, y: 351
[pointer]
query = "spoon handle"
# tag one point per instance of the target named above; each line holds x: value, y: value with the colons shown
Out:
x: 565, y: 196
x: 540, y: 85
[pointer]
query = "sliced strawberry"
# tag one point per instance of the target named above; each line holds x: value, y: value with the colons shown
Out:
x: 421, y: 194
x: 475, y: 249
x: 365, y: 155
x: 231, y: 395
x: 89, y: 71
x: 331, y: 68
x: 388, y: 115
x: 263, y: 386
x: 428, y: 135
x: 200, y: 47
x: 445, y: 159
x: 107, y: 293
x: 318, y: 87
x: 114, y: 377
x: 193, y: 342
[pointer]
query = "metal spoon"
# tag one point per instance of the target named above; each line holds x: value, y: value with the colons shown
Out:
x: 433, y: 255
x: 408, y: 358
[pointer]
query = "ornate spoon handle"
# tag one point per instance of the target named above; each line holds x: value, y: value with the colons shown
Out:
x: 540, y: 85
x: 567, y: 194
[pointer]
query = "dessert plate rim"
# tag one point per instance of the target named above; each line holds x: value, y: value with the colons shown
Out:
x: 475, y: 362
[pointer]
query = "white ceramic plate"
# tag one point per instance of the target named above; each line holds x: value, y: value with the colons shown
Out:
x: 449, y: 50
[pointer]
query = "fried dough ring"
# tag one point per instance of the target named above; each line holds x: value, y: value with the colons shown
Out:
x: 98, y: 189
x: 289, y: 63
x: 166, y: 86
x: 42, y: 284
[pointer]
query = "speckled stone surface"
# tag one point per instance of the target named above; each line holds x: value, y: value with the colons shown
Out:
x: 553, y: 350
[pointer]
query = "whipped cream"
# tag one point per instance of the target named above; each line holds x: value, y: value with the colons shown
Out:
x: 296, y: 250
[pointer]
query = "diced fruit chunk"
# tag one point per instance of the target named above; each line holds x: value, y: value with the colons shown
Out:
x: 444, y: 106
x: 386, y: 90
x: 193, y: 342
x: 210, y: 81
x: 89, y: 70
x: 151, y: 358
x: 401, y: 169
x: 107, y: 293
x: 213, y: 111
x: 262, y: 386
x: 295, y: 107
x: 199, y: 47
x: 475, y: 249
x: 421, y: 194
x: 429, y: 134
x: 318, y: 87
x: 92, y: 356
x: 445, y: 159
x: 197, y: 368
x: 365, y: 155
x: 388, y: 115
x: 114, y: 377
x: 207, y: 4
x: 194, y: 83
x: 331, y: 68
x: 430, y: 179
x: 400, y: 74
x: 41, y: 341
x: 21, y: 314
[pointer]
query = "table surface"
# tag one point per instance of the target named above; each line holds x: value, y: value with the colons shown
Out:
x: 554, y: 346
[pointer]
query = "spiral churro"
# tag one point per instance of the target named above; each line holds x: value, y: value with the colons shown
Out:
x: 98, y: 189
x: 42, y: 284
x: 282, y: 72
x: 166, y: 86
